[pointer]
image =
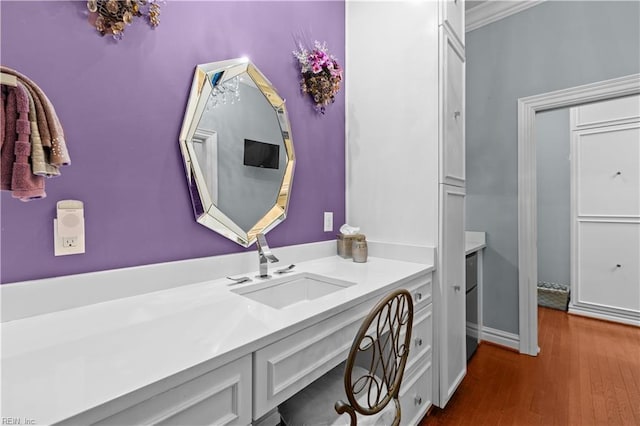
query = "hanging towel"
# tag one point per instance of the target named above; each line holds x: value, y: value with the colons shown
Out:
x: 8, y: 138
x: 16, y: 149
x: 58, y: 154
x: 39, y: 162
x: 41, y: 120
x: 2, y: 122
x: 2, y: 130
x: 47, y: 169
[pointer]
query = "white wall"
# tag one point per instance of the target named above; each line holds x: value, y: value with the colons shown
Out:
x: 392, y: 120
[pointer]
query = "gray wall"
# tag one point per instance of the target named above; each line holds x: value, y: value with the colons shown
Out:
x: 552, y: 46
x: 554, y: 192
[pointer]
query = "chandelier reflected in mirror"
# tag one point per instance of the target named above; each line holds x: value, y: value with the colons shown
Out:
x: 223, y: 92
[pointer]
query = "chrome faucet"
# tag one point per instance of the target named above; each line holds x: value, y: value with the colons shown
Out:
x: 265, y: 256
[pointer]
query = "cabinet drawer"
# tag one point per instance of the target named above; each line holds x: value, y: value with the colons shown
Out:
x: 416, y: 391
x: 453, y: 17
x: 421, y: 336
x: 287, y: 366
x: 220, y: 397
x: 453, y: 149
x: 600, y: 281
x: 421, y: 292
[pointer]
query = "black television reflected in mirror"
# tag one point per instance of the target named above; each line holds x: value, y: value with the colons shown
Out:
x: 261, y: 154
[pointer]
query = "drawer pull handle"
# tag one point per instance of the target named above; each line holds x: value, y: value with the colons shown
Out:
x: 618, y: 173
x: 418, y: 400
x: 618, y: 265
x: 418, y: 296
x: 418, y: 341
x: 456, y: 114
x: 456, y: 287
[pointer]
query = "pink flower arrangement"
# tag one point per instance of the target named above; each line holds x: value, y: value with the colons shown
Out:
x: 321, y: 74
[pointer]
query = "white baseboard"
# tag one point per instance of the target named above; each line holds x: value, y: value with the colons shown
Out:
x: 501, y: 338
x: 625, y: 318
x: 472, y: 330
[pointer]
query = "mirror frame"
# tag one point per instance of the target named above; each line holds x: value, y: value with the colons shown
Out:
x: 205, y: 211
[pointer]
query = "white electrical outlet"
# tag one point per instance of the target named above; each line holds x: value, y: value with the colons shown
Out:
x: 68, y: 228
x: 69, y: 242
x: 328, y: 221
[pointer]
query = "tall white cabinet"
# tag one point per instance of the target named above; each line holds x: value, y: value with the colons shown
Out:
x: 605, y: 186
x: 449, y: 296
x: 405, y: 152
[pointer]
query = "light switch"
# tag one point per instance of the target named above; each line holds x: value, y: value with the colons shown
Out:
x: 328, y: 221
x: 68, y: 228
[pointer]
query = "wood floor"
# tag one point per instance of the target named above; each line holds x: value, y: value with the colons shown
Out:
x: 587, y: 373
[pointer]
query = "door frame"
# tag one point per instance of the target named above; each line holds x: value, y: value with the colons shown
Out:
x: 527, y: 192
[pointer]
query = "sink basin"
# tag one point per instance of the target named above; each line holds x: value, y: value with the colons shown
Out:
x: 282, y: 292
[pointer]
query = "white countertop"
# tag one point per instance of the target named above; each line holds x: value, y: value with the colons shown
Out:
x: 474, y: 241
x: 60, y: 364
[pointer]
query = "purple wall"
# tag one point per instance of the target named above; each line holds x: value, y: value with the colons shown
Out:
x: 121, y: 105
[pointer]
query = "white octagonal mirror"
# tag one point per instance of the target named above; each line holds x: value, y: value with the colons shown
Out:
x: 237, y: 150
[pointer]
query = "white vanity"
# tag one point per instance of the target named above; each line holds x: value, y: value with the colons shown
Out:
x: 204, y: 354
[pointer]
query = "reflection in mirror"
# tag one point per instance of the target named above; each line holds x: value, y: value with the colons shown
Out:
x: 237, y: 148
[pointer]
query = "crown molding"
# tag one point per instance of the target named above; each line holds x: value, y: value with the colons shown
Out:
x: 492, y: 11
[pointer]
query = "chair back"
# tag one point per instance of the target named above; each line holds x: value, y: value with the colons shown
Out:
x: 380, y: 348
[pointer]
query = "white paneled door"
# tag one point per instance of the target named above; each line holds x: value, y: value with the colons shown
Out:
x: 605, y: 186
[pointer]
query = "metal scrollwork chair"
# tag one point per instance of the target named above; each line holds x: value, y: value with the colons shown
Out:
x: 369, y: 380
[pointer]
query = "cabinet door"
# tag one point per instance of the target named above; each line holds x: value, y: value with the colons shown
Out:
x: 607, y: 175
x: 608, y: 270
x: 219, y: 397
x: 452, y: 116
x: 451, y: 328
